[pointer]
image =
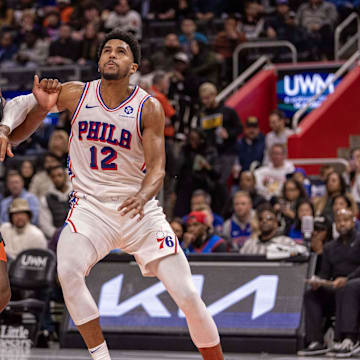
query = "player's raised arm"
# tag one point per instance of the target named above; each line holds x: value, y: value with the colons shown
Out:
x: 153, y: 120
x: 49, y: 94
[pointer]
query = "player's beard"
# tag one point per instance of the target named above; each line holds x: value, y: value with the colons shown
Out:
x: 115, y: 75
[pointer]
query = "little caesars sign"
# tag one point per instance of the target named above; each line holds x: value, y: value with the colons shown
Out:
x: 14, y: 337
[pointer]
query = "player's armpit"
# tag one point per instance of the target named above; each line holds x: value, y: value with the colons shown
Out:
x: 153, y: 120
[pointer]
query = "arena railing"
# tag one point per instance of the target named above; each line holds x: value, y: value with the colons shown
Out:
x: 339, y: 49
x: 320, y: 161
x: 261, y: 45
x: 340, y: 72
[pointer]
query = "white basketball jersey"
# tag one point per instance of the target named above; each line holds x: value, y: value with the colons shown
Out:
x: 106, y: 156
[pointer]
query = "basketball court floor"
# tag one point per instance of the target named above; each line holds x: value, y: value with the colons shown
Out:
x: 72, y: 354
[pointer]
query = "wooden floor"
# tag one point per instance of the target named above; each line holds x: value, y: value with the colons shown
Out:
x: 67, y: 354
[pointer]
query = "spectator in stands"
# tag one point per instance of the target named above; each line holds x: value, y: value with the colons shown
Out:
x: 51, y: 25
x: 221, y: 125
x: 65, y: 10
x: 354, y: 174
x: 303, y: 208
x: 65, y: 50
x: 319, y: 18
x: 318, y: 186
x: 225, y: 43
x: 8, y: 50
x: 204, y: 63
x: 177, y: 226
x: 28, y: 22
x: 345, y: 7
x: 250, y: 148
x: 200, y: 199
x: 340, y: 265
x: 279, y: 132
x: 188, y: 33
x: 54, y: 206
x: 41, y: 182
x: 15, y: 185
x: 335, y: 185
x: 58, y: 145
x: 164, y: 58
x: 300, y: 176
x: 270, y: 178
x: 89, y: 45
x: 198, y: 169
x: 33, y: 51
x: 206, y: 10
x: 6, y: 15
x: 252, y: 23
x: 89, y: 12
x: 292, y: 194
x: 269, y: 242
x: 124, y: 18
x: 198, y: 237
x: 24, y: 6
x: 183, y: 9
x: 27, y: 171
x: 159, y: 90
x: 239, y: 227
x: 18, y: 233
x: 161, y: 10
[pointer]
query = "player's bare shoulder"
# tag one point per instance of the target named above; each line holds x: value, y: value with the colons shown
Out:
x: 70, y: 95
x: 153, y: 114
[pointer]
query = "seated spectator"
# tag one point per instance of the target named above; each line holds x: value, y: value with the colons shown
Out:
x: 268, y: 242
x: 89, y: 45
x: 252, y: 23
x: 177, y: 225
x: 318, y: 186
x: 58, y: 145
x: 204, y: 63
x: 270, y: 178
x: 18, y: 233
x: 239, y: 227
x: 319, y: 18
x: 33, y: 51
x: 340, y: 265
x: 279, y: 133
x: 200, y: 199
x: 354, y: 174
x: 292, y: 193
x: 27, y: 171
x: 226, y: 42
x: 8, y: 50
x: 54, y: 206
x: 303, y: 208
x: 65, y: 10
x: 15, y: 185
x: 300, y: 176
x: 41, y: 182
x: 206, y: 10
x: 335, y: 185
x: 124, y: 18
x: 6, y: 15
x: 161, y: 10
x: 164, y: 58
x: 221, y: 125
x: 51, y: 25
x: 188, y: 33
x: 198, y: 237
x: 64, y: 50
x: 250, y: 148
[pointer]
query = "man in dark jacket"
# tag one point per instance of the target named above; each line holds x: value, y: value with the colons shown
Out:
x: 334, y: 291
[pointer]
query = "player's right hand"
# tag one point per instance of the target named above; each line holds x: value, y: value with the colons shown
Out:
x: 5, y: 147
x: 46, y: 92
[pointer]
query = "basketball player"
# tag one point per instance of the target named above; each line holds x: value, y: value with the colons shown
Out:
x: 116, y: 165
x: 5, y: 292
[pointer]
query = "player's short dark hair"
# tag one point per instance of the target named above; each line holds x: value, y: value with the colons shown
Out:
x: 126, y: 37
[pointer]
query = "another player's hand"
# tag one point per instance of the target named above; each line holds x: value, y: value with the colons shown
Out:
x: 46, y: 92
x: 133, y: 205
x: 5, y: 147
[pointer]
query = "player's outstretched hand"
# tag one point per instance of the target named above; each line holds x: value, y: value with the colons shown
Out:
x: 5, y: 147
x: 133, y: 205
x: 46, y: 92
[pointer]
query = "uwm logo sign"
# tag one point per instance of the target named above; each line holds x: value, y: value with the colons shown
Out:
x: 263, y: 287
x: 309, y: 84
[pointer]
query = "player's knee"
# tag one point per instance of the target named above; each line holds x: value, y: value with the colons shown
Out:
x: 69, y: 273
x: 5, y: 295
x: 189, y: 301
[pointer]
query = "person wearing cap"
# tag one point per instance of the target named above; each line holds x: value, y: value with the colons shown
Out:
x: 340, y: 265
x: 19, y: 234
x: 199, y: 237
x: 250, y: 148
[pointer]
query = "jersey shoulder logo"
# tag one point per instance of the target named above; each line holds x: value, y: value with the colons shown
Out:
x: 128, y: 109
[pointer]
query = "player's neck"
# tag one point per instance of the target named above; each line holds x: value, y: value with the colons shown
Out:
x: 114, y: 92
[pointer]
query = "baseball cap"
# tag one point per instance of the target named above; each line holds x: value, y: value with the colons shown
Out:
x: 252, y: 121
x: 197, y: 216
x: 181, y: 56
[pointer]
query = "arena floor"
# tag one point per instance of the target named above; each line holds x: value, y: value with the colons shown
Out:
x: 65, y: 354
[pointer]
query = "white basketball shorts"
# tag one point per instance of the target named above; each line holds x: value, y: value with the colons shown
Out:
x: 149, y: 239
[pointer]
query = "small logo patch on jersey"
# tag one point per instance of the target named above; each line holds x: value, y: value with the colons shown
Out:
x: 128, y: 110
x: 91, y: 106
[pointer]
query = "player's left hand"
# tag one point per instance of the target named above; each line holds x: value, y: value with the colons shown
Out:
x: 133, y: 205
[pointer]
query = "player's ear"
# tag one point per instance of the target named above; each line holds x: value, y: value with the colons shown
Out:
x: 133, y: 68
